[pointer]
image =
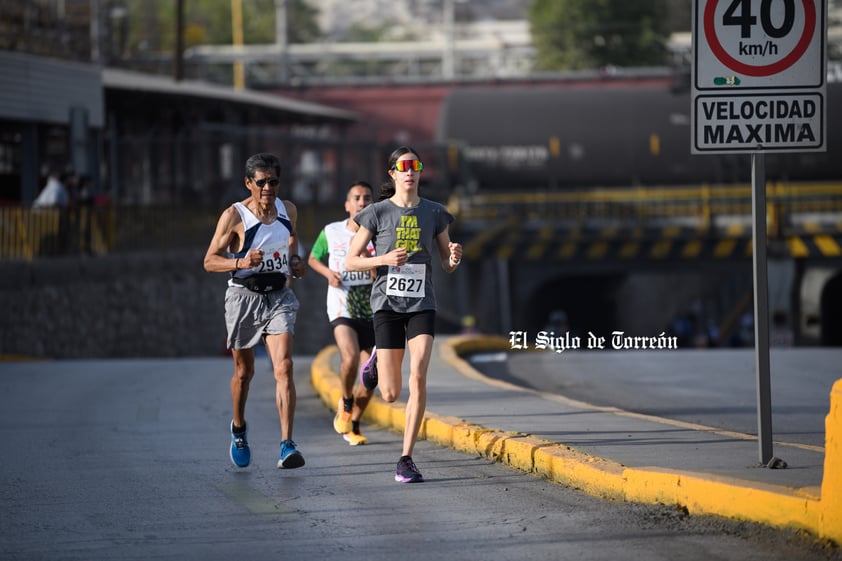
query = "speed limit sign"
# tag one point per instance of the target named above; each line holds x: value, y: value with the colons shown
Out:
x: 759, y: 86
x: 759, y: 72
x: 759, y: 44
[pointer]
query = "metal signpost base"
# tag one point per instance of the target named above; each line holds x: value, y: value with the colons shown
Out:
x: 761, y: 306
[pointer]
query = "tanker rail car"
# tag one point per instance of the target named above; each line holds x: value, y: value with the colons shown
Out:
x: 571, y: 137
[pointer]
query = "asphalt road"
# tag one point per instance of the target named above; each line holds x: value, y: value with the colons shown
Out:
x: 127, y: 459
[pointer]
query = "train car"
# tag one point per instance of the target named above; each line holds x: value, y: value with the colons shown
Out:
x: 575, y: 137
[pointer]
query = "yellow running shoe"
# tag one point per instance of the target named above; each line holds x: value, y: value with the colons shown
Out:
x: 355, y: 439
x: 342, y: 421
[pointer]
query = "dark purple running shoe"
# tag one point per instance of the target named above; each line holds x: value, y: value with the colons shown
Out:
x: 406, y: 471
x: 368, y: 372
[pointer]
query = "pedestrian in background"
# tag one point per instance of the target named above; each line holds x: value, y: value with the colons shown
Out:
x: 54, y: 194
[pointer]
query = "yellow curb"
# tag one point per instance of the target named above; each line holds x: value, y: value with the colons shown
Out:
x: 595, y: 476
x: 709, y: 494
x: 20, y: 358
x: 831, y: 519
x: 778, y: 506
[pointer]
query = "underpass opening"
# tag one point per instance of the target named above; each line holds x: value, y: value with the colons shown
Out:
x: 831, y: 312
x: 574, y: 304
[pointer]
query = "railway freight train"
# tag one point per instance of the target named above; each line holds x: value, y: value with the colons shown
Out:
x: 575, y: 136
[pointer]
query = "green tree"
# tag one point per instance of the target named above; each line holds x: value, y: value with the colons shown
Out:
x: 367, y: 33
x: 152, y: 23
x: 302, y: 23
x: 582, y: 34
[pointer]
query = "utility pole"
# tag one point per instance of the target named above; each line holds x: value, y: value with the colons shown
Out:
x: 447, y: 63
x: 93, y: 6
x: 237, y: 40
x: 281, y: 39
x: 178, y: 63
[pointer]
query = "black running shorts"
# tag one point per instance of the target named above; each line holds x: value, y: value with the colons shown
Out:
x: 393, y: 329
x: 363, y: 327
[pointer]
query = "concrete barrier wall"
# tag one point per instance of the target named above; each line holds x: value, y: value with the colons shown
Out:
x: 131, y: 305
x: 831, y: 517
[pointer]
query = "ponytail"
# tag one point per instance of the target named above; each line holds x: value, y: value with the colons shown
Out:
x: 387, y: 189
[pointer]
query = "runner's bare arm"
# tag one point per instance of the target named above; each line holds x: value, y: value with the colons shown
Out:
x: 225, y: 236
x: 333, y: 277
x: 355, y: 261
x: 298, y: 266
x: 450, y: 253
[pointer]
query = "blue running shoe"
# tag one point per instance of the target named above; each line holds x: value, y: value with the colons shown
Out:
x: 240, y: 453
x: 368, y: 372
x: 406, y: 471
x: 290, y: 457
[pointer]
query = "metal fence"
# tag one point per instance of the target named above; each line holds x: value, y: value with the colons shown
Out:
x: 701, y: 208
x: 27, y: 233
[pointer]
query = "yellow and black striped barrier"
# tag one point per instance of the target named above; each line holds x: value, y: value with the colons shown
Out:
x: 668, y: 223
x: 623, y: 244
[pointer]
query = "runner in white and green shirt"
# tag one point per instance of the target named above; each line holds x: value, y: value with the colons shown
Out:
x: 348, y: 309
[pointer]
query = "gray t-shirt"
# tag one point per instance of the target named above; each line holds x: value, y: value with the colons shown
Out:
x: 405, y: 289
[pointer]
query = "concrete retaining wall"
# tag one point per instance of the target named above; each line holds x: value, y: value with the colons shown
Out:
x: 131, y: 305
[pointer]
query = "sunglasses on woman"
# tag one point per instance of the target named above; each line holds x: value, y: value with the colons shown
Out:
x: 406, y: 165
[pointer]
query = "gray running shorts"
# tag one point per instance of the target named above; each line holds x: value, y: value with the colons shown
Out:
x: 250, y: 315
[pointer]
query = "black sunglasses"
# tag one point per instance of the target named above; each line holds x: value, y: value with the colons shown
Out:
x: 274, y: 182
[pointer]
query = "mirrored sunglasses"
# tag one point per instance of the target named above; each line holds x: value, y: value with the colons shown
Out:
x: 406, y: 165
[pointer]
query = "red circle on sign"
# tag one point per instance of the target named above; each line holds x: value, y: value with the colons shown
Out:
x: 769, y: 69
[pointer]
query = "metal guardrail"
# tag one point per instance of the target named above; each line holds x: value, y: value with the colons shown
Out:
x: 701, y: 208
x: 27, y: 233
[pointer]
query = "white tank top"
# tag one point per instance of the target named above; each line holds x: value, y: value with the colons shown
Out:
x: 272, y: 238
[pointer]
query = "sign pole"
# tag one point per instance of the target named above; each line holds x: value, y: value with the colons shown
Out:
x: 759, y: 85
x: 761, y: 306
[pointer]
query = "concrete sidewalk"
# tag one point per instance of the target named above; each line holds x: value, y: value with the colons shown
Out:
x: 613, y: 453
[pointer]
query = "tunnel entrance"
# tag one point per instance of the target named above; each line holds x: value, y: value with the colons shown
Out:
x: 831, y: 312
x: 587, y: 302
